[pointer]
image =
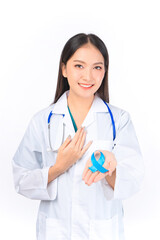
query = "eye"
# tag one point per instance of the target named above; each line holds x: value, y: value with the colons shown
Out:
x: 78, y: 66
x: 98, y: 67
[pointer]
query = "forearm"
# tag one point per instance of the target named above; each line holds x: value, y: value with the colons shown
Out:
x: 54, y: 172
x: 111, y: 179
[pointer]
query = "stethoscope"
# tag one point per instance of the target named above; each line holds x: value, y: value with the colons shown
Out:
x: 111, y: 116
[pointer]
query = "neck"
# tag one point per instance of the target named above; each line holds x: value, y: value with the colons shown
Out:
x: 80, y: 103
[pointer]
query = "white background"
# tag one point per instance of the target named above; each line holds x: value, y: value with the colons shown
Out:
x: 33, y: 34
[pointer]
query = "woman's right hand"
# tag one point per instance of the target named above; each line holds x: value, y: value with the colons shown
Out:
x: 72, y: 150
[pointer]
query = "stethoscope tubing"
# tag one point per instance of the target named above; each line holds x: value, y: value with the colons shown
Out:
x: 111, y: 116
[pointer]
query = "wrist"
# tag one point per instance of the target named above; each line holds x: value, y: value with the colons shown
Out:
x: 54, y: 172
x: 57, y: 167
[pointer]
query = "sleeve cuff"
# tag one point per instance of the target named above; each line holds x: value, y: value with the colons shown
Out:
x: 34, y: 184
x: 51, y: 188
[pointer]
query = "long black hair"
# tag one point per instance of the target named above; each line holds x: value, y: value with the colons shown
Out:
x: 69, y: 49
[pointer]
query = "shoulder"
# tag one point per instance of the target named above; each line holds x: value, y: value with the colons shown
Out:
x: 117, y: 111
x: 44, y: 113
x: 41, y: 117
x: 120, y: 115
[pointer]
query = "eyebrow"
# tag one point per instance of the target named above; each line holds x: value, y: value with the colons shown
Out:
x: 85, y: 63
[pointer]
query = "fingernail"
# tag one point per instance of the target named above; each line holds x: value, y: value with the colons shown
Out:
x: 69, y: 136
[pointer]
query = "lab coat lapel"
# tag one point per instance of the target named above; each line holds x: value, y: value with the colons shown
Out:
x: 87, y: 121
x: 60, y: 109
x: 60, y: 117
x: 97, y: 106
x: 90, y: 118
x: 68, y: 121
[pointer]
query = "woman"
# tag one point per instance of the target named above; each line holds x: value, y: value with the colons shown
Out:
x: 54, y: 162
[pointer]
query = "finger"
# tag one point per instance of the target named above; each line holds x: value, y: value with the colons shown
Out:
x: 100, y: 176
x: 107, y: 165
x: 92, y: 177
x: 110, y: 168
x: 76, y: 136
x: 87, y: 176
x: 110, y: 173
x: 81, y: 136
x: 66, y: 142
x: 86, y: 147
x: 82, y: 140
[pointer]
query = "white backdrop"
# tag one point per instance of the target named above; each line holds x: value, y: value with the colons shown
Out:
x: 33, y: 34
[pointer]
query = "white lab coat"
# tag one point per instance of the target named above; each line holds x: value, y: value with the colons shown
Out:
x: 70, y: 209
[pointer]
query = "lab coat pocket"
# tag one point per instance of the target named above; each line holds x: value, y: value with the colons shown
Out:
x: 103, y: 145
x: 104, y: 229
x: 55, y: 229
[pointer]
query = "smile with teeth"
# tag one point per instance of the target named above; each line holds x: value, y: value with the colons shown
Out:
x: 85, y: 85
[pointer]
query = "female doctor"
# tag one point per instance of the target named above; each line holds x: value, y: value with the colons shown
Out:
x: 80, y: 156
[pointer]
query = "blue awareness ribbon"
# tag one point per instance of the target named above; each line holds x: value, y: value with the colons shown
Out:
x: 97, y: 165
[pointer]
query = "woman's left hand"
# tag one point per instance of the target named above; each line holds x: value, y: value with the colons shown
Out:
x: 110, y: 164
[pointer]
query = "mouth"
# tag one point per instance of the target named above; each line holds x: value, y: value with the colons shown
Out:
x: 85, y: 86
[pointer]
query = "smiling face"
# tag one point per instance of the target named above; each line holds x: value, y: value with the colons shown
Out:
x: 84, y: 71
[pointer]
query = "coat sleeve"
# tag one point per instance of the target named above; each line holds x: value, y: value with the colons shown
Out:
x: 29, y: 171
x: 130, y: 166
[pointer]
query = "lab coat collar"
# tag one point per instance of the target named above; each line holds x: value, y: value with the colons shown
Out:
x: 60, y: 107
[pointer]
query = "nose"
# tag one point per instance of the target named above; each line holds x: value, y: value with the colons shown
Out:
x: 87, y: 75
